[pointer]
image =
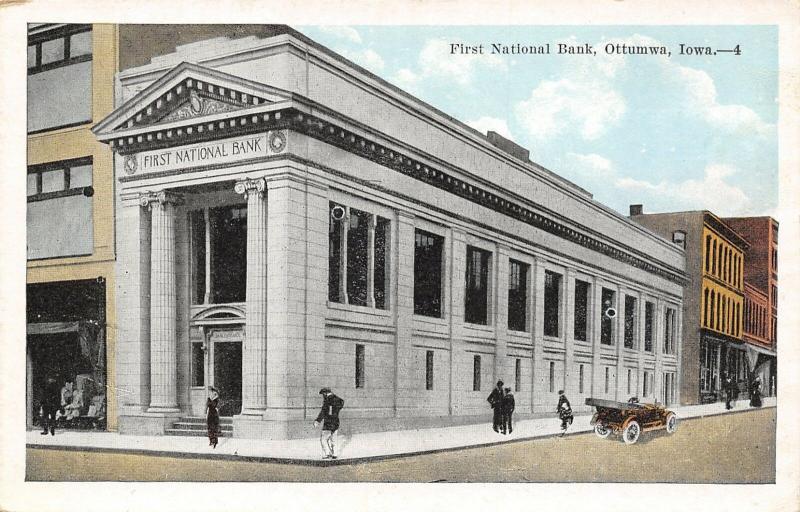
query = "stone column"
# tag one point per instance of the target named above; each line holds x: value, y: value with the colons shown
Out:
x: 163, y: 302
x: 406, y: 398
x: 254, y: 353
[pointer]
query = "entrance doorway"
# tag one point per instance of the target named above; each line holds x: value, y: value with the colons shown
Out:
x: 228, y: 376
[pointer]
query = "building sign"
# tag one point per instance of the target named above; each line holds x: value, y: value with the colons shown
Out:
x: 217, y: 152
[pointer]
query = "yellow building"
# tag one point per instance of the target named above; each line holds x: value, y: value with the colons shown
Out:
x: 721, y: 306
x: 713, y: 300
x: 70, y: 218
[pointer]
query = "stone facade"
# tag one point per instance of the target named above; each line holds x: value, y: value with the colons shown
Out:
x: 321, y: 154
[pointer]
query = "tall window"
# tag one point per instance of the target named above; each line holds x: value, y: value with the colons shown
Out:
x: 630, y: 321
x: 59, y: 77
x: 705, y: 307
x: 580, y: 379
x: 357, y: 240
x: 608, y: 375
x: 517, y: 295
x: 359, y: 366
x: 708, y: 253
x: 517, y: 374
x: 552, y: 376
x: 552, y: 299
x: 429, y: 370
x: 646, y: 383
x: 714, y: 257
x: 476, y: 373
x: 580, y: 326
x: 607, y: 322
x: 629, y: 381
x: 428, y: 274
x: 648, y: 326
x: 669, y: 331
x: 476, y: 300
x: 59, y: 209
x: 219, y: 254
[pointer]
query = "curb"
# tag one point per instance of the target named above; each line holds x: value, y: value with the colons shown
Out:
x: 337, y: 462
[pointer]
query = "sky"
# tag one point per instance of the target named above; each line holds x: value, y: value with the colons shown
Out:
x: 674, y: 133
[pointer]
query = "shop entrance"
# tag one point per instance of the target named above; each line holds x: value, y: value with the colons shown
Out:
x: 227, y: 376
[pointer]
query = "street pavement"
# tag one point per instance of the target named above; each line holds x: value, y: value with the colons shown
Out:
x: 723, y: 448
x: 350, y: 449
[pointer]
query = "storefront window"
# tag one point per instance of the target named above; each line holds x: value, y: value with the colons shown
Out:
x: 66, y: 350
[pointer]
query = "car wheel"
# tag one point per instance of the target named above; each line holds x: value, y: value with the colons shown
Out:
x: 672, y: 423
x: 601, y: 430
x: 631, y: 433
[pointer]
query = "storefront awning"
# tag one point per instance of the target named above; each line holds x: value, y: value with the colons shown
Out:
x: 52, y: 328
x: 754, y: 350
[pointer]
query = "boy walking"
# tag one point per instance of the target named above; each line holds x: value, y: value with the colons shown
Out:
x: 329, y: 417
x: 508, y: 411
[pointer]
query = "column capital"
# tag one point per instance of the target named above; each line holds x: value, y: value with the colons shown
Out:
x: 249, y: 186
x: 162, y: 197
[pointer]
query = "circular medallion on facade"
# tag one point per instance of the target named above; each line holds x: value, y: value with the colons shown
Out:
x: 195, y: 103
x: 277, y: 141
x: 130, y: 164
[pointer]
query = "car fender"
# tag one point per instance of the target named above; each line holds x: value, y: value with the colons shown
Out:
x: 627, y: 420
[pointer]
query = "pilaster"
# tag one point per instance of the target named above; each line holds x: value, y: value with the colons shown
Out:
x: 500, y: 321
x: 539, y: 390
x: 570, y: 382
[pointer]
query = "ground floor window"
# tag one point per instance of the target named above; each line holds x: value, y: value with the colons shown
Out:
x: 66, y: 353
x: 709, y: 370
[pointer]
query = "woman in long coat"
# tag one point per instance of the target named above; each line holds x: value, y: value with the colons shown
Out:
x: 755, y: 393
x: 212, y: 417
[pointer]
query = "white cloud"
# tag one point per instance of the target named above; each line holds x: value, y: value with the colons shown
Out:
x: 484, y: 124
x: 435, y: 63
x: 367, y: 58
x: 702, y: 99
x: 587, y: 101
x: 557, y: 107
x: 407, y: 79
x: 342, y: 31
x: 591, y: 165
x: 713, y: 192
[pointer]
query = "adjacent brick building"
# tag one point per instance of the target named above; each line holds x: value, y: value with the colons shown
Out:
x: 761, y: 276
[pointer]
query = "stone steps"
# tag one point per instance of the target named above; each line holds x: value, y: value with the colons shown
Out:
x: 196, y: 426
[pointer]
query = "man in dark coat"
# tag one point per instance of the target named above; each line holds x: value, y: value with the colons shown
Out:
x: 508, y: 411
x: 731, y: 391
x: 564, y: 410
x: 496, y: 401
x: 329, y: 417
x: 51, y: 401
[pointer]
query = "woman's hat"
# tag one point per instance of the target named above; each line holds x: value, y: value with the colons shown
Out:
x: 324, y: 390
x: 212, y: 388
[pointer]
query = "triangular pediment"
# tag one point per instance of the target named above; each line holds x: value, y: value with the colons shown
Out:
x: 188, y: 91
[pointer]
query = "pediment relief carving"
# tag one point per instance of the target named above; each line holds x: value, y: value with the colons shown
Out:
x: 191, y: 98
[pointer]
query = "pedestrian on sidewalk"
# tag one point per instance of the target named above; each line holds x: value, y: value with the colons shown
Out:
x: 727, y: 390
x: 496, y: 401
x: 212, y: 417
x: 329, y: 417
x: 564, y: 410
x: 508, y: 411
x: 51, y: 401
x: 755, y: 393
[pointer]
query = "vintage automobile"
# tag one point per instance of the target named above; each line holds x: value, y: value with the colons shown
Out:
x: 630, y: 418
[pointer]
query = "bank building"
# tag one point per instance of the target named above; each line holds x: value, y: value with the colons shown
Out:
x: 287, y: 221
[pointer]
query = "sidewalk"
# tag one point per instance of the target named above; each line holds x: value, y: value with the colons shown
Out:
x: 350, y: 449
